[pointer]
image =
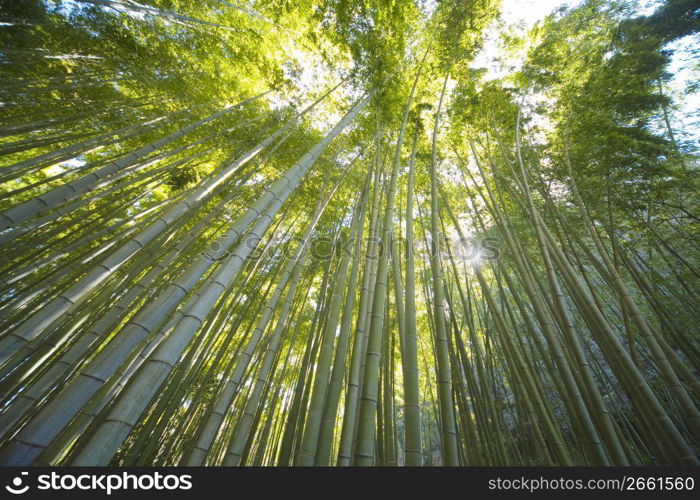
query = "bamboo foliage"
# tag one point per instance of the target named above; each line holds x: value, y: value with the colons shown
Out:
x: 284, y: 281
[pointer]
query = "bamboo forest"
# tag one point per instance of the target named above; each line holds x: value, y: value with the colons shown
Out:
x: 349, y: 232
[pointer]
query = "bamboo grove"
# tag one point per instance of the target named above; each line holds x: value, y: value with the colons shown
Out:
x: 319, y: 232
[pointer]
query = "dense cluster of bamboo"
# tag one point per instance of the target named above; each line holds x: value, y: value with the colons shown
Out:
x: 207, y: 327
